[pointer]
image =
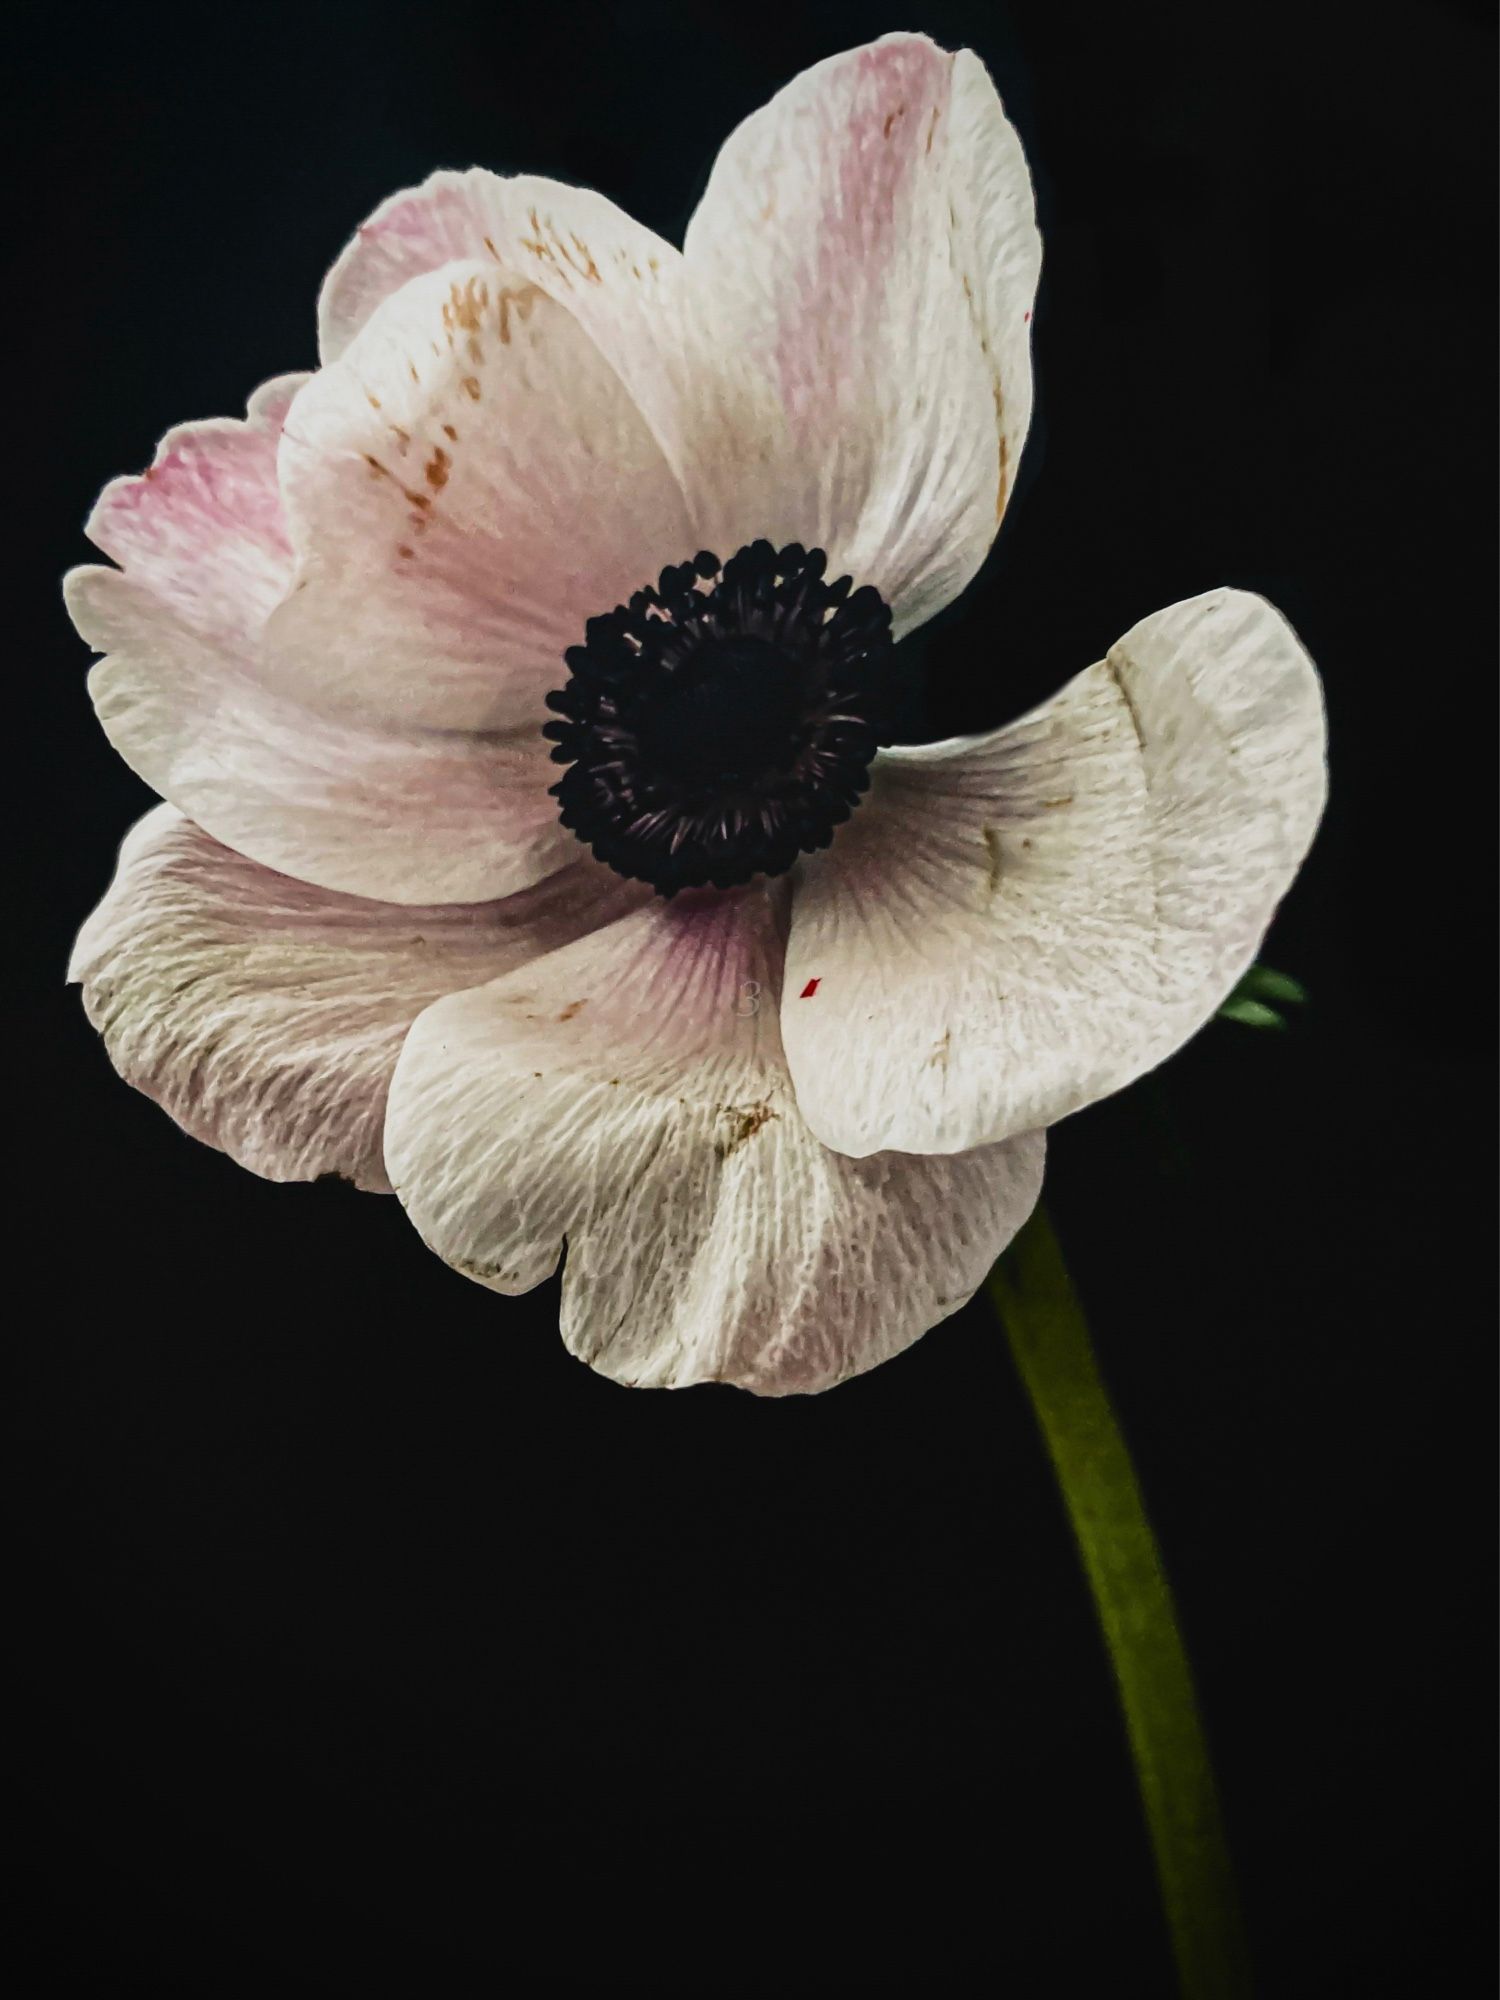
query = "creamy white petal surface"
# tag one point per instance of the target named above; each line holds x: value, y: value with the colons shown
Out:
x: 870, y: 237
x: 628, y: 1095
x: 465, y: 486
x: 403, y: 814
x: 265, y: 1015
x: 1016, y: 924
x: 705, y: 396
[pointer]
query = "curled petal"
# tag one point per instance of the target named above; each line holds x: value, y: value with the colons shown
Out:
x: 388, y: 810
x: 465, y: 486
x: 1017, y: 924
x: 628, y: 1095
x: 673, y: 342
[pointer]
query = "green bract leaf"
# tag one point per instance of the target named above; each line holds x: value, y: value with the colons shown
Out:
x: 1251, y: 1012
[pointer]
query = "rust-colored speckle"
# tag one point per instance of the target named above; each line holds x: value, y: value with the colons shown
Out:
x: 939, y: 1057
x: 809, y: 989
x: 520, y: 302
x: 466, y: 305
x: 403, y: 438
x: 992, y: 848
x: 449, y: 431
x: 892, y: 116
x: 743, y: 1122
x: 470, y: 386
x: 380, y: 471
x: 571, y: 1009
x: 405, y: 549
x: 590, y: 268
x: 372, y: 399
x: 436, y: 470
x: 488, y: 244
x: 1065, y: 800
x: 411, y: 369
x: 932, y: 127
x: 1002, y: 491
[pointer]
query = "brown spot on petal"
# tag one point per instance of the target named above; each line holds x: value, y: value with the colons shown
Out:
x: 571, y: 1009
x: 470, y: 386
x: 743, y: 1122
x: 450, y: 432
x: 992, y: 846
x: 372, y: 399
x: 590, y: 268
x: 521, y: 302
x: 436, y: 470
x: 405, y: 549
x: 466, y: 305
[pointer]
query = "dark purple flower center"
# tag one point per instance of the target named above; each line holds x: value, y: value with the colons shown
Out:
x: 722, y: 723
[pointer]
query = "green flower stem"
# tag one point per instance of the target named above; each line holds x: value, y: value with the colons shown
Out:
x: 1049, y: 1338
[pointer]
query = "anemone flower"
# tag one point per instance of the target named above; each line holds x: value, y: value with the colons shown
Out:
x: 517, y: 684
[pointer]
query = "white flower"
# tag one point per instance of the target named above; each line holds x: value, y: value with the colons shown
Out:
x: 785, y: 1124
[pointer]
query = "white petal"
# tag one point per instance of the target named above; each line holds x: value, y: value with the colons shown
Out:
x: 674, y: 343
x: 870, y: 236
x: 465, y: 487
x: 403, y: 814
x: 408, y: 817
x: 266, y: 1016
x: 1014, y: 925
x: 628, y: 1095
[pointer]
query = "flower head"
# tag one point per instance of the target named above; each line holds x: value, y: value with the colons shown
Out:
x: 517, y: 682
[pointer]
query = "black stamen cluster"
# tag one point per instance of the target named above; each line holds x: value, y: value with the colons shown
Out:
x: 720, y: 724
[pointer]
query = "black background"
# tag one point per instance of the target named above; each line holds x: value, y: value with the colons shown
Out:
x: 361, y: 1629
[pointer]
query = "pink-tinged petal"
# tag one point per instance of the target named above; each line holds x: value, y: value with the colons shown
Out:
x: 406, y: 815
x: 628, y: 1094
x: 266, y: 1016
x: 871, y: 235
x: 203, y: 529
x: 465, y: 486
x: 1016, y: 924
x: 674, y: 342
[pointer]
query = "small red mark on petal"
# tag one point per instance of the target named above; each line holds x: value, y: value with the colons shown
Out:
x: 1027, y: 313
x: 809, y: 989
